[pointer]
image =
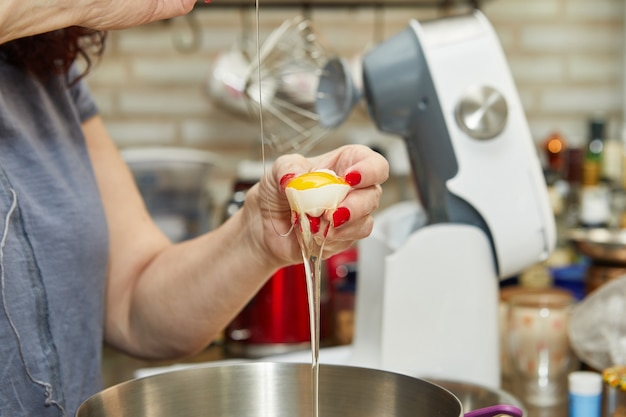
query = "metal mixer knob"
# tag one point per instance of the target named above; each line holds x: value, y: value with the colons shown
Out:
x: 482, y: 112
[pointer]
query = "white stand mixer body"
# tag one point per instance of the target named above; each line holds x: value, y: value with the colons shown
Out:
x: 429, y: 305
x: 431, y: 309
x: 458, y: 301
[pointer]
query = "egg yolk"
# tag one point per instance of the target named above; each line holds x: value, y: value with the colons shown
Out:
x: 316, y: 179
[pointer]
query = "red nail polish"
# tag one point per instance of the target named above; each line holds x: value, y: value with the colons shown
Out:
x: 353, y: 178
x: 285, y: 179
x: 340, y: 216
x: 314, y: 224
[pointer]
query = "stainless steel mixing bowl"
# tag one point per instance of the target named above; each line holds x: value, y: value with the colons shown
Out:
x: 256, y: 389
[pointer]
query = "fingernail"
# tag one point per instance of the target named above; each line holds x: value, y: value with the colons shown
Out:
x: 285, y: 179
x: 314, y: 224
x: 340, y: 216
x: 353, y: 178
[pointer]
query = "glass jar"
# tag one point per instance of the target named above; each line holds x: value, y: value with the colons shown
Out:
x: 614, y: 392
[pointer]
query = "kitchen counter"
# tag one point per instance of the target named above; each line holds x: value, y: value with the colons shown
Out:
x: 559, y: 411
x: 118, y: 367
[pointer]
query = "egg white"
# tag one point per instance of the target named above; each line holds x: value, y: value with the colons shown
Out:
x: 314, y: 201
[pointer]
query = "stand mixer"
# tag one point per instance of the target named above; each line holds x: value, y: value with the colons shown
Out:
x: 444, y: 86
x: 427, y: 296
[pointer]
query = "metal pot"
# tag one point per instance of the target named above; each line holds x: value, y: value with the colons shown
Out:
x: 606, y: 249
x: 256, y: 389
x: 600, y: 244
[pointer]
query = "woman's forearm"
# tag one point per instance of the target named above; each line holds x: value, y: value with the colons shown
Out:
x: 20, y: 18
x: 193, y: 289
x: 24, y: 18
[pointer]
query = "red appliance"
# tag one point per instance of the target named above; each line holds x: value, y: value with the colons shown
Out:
x: 276, y: 320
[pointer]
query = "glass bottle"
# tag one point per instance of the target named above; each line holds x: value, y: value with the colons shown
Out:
x: 555, y: 149
x: 592, y: 165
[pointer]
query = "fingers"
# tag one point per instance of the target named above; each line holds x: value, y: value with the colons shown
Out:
x: 359, y: 165
x: 176, y: 8
x: 340, y: 239
x: 287, y: 167
x: 373, y: 169
x: 121, y: 15
x: 362, y: 202
x: 364, y: 169
x: 353, y: 218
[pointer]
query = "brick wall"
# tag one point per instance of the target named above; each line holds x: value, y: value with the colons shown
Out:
x: 567, y: 59
x: 565, y: 55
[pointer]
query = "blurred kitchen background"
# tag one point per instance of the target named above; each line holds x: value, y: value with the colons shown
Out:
x: 566, y: 57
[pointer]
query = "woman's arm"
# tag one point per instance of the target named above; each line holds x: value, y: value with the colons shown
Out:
x: 162, y: 299
x: 168, y: 300
x: 20, y: 18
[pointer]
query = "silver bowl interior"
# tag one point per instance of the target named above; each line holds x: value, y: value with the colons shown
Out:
x: 265, y: 389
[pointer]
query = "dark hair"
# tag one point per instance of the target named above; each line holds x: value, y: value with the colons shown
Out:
x: 54, y: 52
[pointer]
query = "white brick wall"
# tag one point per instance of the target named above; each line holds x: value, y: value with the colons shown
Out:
x: 565, y: 55
x: 567, y: 59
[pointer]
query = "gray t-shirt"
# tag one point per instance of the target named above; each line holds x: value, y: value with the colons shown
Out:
x: 53, y: 248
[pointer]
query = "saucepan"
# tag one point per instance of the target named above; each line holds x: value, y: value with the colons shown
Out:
x: 255, y: 389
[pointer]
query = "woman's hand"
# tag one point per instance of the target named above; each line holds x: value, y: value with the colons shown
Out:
x: 363, y: 168
x: 119, y: 14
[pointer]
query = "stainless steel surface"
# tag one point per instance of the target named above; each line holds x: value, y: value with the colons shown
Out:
x: 474, y: 396
x: 175, y: 183
x: 600, y: 244
x: 482, y: 112
x: 258, y: 389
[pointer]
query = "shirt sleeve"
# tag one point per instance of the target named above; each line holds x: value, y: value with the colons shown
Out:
x: 81, y: 95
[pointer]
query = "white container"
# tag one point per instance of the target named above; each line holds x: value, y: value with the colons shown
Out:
x: 585, y: 394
